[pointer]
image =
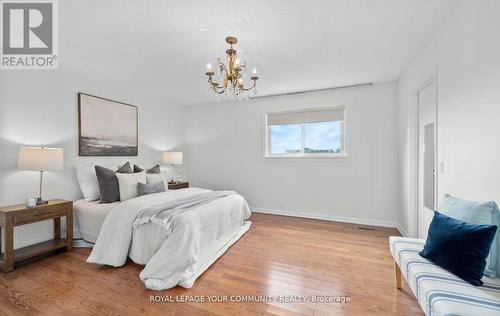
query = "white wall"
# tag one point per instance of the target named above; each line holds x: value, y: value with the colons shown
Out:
x: 224, y: 145
x: 40, y: 107
x: 224, y: 142
x: 465, y: 52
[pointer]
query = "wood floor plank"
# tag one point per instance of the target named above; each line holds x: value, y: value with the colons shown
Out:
x: 279, y: 257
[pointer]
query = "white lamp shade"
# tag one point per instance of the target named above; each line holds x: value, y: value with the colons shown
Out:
x: 40, y: 159
x: 172, y: 158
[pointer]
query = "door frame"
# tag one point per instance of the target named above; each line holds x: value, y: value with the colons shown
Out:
x: 433, y: 79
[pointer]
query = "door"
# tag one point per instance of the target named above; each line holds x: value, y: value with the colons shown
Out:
x: 426, y: 158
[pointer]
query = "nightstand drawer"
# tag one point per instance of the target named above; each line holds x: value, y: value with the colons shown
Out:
x: 178, y: 185
x: 36, y: 215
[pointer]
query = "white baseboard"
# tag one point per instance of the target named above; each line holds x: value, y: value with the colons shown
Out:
x: 342, y: 219
x: 402, y: 231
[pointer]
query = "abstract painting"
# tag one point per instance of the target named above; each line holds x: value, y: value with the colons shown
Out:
x: 106, y: 127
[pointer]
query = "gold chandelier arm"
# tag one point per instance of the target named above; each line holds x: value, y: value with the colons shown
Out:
x: 216, y: 87
x: 219, y: 89
x: 215, y: 84
x: 247, y: 89
x: 223, y: 68
x: 211, y: 82
x: 254, y: 78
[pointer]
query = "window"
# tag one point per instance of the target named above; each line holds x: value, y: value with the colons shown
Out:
x: 306, y: 133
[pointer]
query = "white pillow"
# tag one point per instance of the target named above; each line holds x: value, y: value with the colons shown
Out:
x: 157, y: 177
x: 128, y: 184
x: 88, y: 181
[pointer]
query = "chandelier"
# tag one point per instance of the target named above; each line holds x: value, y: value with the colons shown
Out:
x: 232, y: 76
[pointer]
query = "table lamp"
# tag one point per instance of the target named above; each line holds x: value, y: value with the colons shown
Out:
x: 173, y: 158
x: 40, y: 159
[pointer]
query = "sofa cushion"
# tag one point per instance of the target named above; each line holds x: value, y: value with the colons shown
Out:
x: 459, y: 247
x: 481, y: 213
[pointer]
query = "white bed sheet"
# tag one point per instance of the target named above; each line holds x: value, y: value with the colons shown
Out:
x: 88, y: 219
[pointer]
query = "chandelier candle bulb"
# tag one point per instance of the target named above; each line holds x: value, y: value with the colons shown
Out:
x: 209, y: 67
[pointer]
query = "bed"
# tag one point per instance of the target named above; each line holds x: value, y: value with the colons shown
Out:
x: 197, y: 226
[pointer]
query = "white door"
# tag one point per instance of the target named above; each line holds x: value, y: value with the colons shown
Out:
x: 426, y: 158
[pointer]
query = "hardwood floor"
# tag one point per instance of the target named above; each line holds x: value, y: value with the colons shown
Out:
x: 279, y: 256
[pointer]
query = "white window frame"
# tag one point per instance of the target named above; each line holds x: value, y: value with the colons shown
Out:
x: 302, y: 154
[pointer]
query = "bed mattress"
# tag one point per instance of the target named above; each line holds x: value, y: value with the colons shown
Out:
x: 88, y: 219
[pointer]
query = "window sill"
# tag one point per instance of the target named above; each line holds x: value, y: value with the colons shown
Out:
x: 341, y: 157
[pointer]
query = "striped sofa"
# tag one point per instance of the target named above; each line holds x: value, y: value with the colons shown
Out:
x: 438, y: 291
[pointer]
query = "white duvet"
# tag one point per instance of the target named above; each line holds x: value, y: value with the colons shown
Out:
x: 197, y: 237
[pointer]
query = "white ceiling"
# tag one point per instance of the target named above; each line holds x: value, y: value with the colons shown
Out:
x: 163, y: 46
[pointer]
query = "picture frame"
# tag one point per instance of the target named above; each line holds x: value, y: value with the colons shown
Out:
x: 106, y: 127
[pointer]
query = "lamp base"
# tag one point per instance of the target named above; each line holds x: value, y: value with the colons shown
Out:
x: 39, y: 201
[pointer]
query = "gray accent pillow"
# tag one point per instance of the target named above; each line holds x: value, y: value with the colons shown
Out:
x: 145, y: 189
x: 108, y: 182
x: 125, y: 168
x: 155, y: 169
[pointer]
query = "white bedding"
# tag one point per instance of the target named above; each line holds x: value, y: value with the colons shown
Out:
x: 196, y: 237
x: 89, y: 217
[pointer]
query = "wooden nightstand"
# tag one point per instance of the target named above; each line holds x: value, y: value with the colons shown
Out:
x: 178, y: 185
x: 11, y: 216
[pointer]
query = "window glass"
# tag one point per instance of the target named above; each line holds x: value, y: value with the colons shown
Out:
x: 286, y: 139
x: 323, y: 137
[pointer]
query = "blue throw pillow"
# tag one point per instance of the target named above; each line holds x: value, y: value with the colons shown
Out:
x: 459, y: 247
x: 483, y: 213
